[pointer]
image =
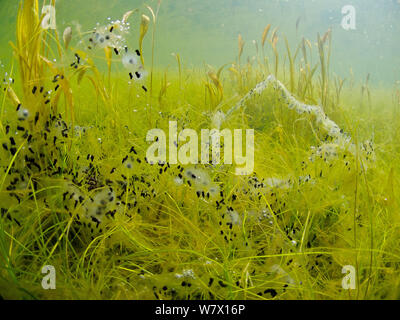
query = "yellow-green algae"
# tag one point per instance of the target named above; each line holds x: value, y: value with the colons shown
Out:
x: 77, y: 192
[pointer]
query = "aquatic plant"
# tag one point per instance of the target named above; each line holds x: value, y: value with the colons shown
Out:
x: 77, y: 191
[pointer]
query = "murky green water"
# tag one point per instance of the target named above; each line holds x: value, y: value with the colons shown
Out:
x: 206, y: 31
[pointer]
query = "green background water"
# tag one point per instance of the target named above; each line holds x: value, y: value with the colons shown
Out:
x: 206, y: 31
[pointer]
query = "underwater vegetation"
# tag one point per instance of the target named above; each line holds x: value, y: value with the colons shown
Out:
x: 78, y: 192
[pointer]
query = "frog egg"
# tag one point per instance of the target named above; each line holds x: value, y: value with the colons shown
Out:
x: 23, y: 114
x: 140, y: 74
x: 102, y: 42
x: 178, y: 181
x: 100, y: 39
x: 199, y: 177
x: 100, y: 204
x: 129, y: 61
x: 213, y: 190
x: 96, y: 36
x: 234, y: 217
x: 129, y: 164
